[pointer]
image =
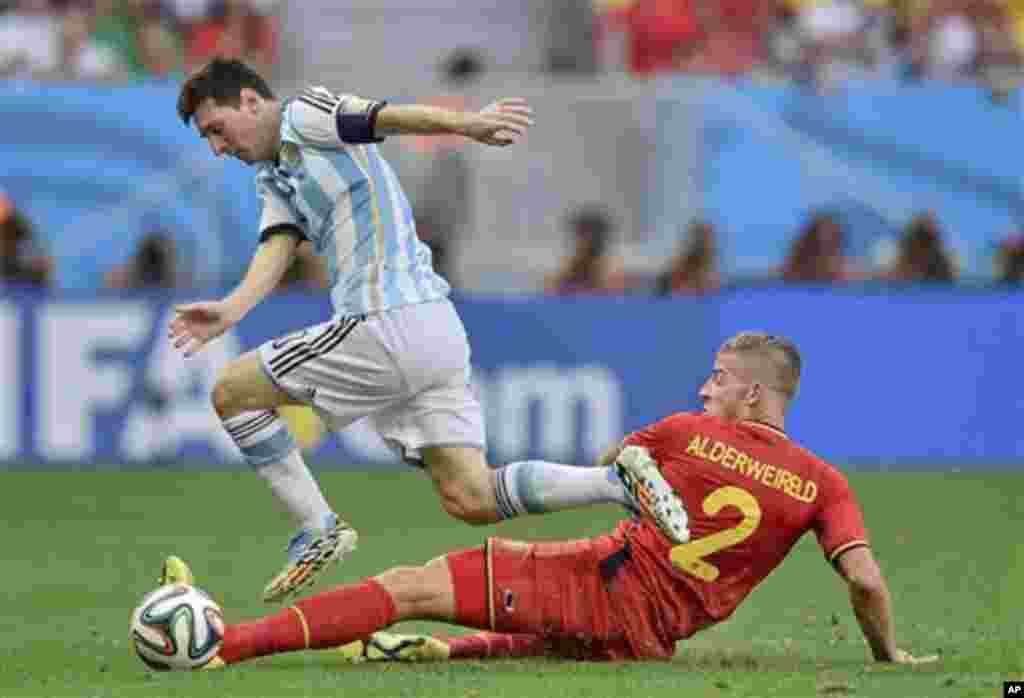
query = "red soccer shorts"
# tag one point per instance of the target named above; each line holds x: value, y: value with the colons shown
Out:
x: 587, y: 597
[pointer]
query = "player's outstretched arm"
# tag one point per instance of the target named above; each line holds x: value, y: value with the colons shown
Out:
x: 500, y: 123
x: 872, y: 604
x: 195, y: 324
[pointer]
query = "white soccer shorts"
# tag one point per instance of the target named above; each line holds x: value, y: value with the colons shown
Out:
x: 407, y: 369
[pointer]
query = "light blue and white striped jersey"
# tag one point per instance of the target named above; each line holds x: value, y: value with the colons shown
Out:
x: 348, y: 202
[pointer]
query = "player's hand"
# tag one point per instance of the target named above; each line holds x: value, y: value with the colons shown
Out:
x: 904, y: 657
x: 500, y: 123
x: 195, y: 324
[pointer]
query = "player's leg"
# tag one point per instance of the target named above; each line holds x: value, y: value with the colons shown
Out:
x: 402, y: 647
x: 246, y: 400
x: 353, y: 612
x: 475, y: 492
x: 339, y: 369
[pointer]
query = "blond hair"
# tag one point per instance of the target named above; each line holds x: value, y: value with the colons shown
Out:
x: 777, y: 357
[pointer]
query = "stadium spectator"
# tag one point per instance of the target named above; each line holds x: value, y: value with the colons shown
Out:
x: 962, y: 39
x: 154, y: 265
x: 734, y: 36
x: 1009, y: 261
x: 694, y: 269
x: 239, y: 29
x: 662, y: 35
x: 833, y: 37
x: 441, y: 200
x: 82, y: 55
x: 571, y: 32
x: 160, y: 47
x: 30, y: 40
x: 630, y: 594
x: 591, y: 268
x: 140, y: 34
x: 817, y: 254
x: 922, y: 254
x: 22, y: 261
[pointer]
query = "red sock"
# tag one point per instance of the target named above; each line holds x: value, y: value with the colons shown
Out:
x: 333, y: 618
x: 488, y: 645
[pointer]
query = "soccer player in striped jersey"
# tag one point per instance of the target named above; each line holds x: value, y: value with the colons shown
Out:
x: 395, y: 350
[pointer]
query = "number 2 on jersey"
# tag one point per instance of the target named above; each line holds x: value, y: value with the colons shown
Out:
x: 689, y: 557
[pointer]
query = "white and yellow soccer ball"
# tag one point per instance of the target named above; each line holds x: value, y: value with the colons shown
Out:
x: 177, y: 627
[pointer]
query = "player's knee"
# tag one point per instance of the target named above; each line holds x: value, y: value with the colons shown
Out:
x: 224, y: 398
x: 413, y: 589
x: 467, y: 504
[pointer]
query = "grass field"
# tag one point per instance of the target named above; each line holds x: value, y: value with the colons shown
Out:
x: 80, y: 549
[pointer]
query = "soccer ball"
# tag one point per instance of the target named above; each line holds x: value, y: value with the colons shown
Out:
x: 177, y: 627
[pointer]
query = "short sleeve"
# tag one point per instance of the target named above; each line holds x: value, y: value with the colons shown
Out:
x: 312, y: 116
x: 839, y: 523
x: 326, y: 120
x: 276, y: 213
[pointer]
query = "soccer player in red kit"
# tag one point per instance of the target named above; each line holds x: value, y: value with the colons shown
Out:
x: 750, y: 493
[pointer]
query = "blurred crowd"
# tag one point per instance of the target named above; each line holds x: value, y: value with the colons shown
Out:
x: 122, y: 40
x: 814, y: 41
x: 818, y: 254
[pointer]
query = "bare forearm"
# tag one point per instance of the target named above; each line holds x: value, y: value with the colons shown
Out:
x: 268, y: 265
x: 873, y: 608
x: 418, y: 118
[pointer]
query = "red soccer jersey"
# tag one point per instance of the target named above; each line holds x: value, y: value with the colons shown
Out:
x: 751, y: 493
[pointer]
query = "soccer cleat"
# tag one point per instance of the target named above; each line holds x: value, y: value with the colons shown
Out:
x: 175, y: 571
x: 309, y: 553
x: 392, y: 647
x: 651, y: 494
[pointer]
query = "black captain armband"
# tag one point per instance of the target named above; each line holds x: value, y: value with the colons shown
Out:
x: 357, y: 119
x: 283, y: 229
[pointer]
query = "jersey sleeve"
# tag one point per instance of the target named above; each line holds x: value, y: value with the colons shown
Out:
x: 276, y: 215
x: 326, y: 120
x: 839, y: 523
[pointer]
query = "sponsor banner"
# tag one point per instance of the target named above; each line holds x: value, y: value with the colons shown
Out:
x: 920, y: 379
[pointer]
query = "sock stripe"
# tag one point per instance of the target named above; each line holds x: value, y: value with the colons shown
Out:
x: 240, y: 432
x: 243, y: 421
x: 501, y: 494
x: 305, y: 625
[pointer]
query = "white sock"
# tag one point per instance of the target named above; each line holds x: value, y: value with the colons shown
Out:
x: 537, y: 487
x: 296, y: 488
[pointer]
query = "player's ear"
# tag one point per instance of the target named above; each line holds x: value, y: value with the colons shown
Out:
x: 250, y: 100
x: 754, y: 393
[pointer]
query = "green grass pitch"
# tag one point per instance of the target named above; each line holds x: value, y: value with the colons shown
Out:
x: 81, y: 548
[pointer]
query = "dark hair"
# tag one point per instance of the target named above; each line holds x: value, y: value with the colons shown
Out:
x: 809, y: 251
x: 1011, y: 260
x: 923, y: 252
x: 222, y: 80
x: 154, y: 261
x: 592, y: 223
x: 693, y: 261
